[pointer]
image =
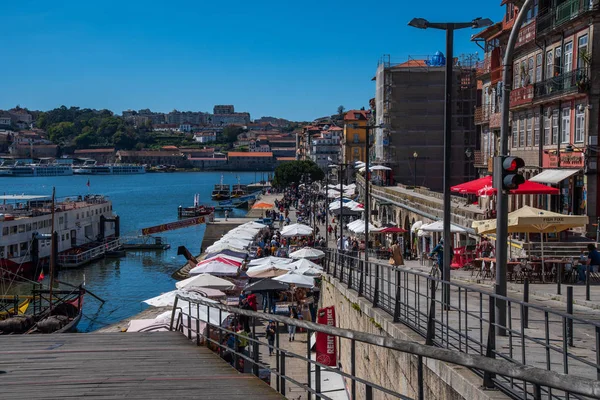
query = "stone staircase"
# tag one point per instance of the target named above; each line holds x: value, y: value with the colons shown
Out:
x: 557, y: 249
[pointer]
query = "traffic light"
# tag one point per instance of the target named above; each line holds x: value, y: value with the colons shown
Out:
x: 511, y: 179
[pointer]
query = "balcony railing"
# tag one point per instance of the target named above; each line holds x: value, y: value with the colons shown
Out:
x: 520, y: 96
x: 565, y: 12
x: 482, y: 114
x: 483, y: 67
x: 526, y: 34
x: 564, y: 83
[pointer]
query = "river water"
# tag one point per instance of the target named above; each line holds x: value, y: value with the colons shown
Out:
x: 141, y: 201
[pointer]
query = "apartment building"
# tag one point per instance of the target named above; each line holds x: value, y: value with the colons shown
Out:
x: 553, y: 102
x: 353, y: 140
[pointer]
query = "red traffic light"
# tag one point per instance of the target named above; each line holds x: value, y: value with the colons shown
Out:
x: 512, y: 164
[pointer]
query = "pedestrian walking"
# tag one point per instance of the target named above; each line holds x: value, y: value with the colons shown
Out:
x: 271, y: 336
x: 292, y: 328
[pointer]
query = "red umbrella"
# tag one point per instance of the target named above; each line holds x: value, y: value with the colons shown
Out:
x: 392, y: 229
x: 224, y: 260
x: 472, y: 187
x: 527, y: 187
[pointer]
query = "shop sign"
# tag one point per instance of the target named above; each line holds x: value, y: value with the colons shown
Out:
x: 567, y: 160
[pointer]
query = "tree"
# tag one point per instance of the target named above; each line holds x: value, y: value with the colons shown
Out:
x: 293, y: 172
x: 230, y: 133
x: 341, y: 110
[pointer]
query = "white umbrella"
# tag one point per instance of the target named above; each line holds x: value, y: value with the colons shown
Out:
x: 363, y: 169
x: 304, y: 263
x: 380, y: 168
x: 217, y: 247
x: 438, y: 226
x: 215, y: 268
x: 253, y: 224
x: 308, y: 253
x: 168, y: 299
x: 269, y: 259
x: 296, y: 230
x: 205, y: 281
x: 268, y: 270
x: 416, y: 226
x: 309, y: 271
x: 295, y: 279
x: 360, y: 228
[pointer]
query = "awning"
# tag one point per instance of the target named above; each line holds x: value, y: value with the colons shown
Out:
x: 553, y: 176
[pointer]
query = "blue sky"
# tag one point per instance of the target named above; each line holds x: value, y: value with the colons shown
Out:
x: 296, y: 60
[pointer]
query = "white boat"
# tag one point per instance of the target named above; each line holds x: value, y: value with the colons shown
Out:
x: 91, y: 167
x: 25, y: 224
x: 19, y: 170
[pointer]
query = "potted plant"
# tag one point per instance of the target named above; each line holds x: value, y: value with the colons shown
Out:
x: 582, y: 78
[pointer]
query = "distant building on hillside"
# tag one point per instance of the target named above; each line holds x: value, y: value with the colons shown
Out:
x: 102, y: 156
x: 153, y: 158
x: 223, y: 109
x: 254, y: 161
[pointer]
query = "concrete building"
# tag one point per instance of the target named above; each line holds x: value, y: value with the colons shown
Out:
x: 553, y: 103
x: 223, y: 109
x: 242, y: 119
x: 326, y: 147
x: 5, y: 119
x: 102, y: 156
x: 205, y: 137
x: 255, y: 161
x: 410, y: 102
x: 153, y: 158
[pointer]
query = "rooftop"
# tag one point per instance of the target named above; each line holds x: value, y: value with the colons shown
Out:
x: 252, y: 154
x: 80, y: 151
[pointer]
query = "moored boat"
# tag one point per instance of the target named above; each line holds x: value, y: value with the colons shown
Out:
x: 197, y: 210
x: 221, y: 191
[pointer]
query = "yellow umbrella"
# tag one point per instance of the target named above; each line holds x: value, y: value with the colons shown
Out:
x: 533, y: 220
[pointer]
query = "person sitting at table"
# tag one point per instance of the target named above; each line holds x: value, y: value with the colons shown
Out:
x: 593, y: 260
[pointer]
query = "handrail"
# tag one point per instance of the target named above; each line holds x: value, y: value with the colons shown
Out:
x: 538, y: 376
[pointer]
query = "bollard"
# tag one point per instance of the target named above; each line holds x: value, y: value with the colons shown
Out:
x: 570, y: 312
x: 526, y: 300
x: 559, y: 275
x: 587, y: 282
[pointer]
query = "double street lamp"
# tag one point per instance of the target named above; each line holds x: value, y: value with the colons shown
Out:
x: 449, y: 27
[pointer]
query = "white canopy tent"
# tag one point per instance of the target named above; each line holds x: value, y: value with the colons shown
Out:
x: 308, y: 253
x: 269, y: 270
x: 296, y: 279
x: 438, y: 226
x: 215, y: 268
x: 205, y: 281
x: 296, y: 230
x: 269, y: 259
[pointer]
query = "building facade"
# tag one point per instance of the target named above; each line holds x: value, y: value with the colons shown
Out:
x: 553, y: 102
x: 409, y: 102
x: 355, y: 133
x: 103, y: 156
x: 239, y: 161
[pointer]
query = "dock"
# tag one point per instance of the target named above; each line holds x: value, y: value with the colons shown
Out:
x: 164, y: 365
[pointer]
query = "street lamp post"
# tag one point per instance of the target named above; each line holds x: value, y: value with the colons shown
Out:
x: 502, y: 197
x: 415, y: 156
x: 449, y: 27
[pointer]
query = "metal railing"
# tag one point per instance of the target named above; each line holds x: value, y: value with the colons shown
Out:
x: 75, y: 260
x: 563, y: 83
x: 202, y: 320
x: 555, y: 17
x: 534, y: 335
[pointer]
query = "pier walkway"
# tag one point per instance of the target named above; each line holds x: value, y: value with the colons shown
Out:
x: 159, y: 365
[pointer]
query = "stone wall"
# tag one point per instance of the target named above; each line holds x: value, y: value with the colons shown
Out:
x: 391, y: 369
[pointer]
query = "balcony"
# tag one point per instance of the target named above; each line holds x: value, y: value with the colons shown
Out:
x: 526, y: 34
x: 497, y: 74
x: 562, y: 14
x: 576, y: 80
x: 521, y: 96
x: 480, y: 160
x: 482, y: 114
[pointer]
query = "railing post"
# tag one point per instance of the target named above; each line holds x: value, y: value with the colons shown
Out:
x: 335, y: 263
x: 343, y: 258
x: 570, y: 312
x: 361, y: 278
x: 255, y: 357
x: 308, y: 363
x: 431, y: 317
x: 282, y: 373
x: 369, y: 392
x: 376, y: 294
x: 353, y: 369
x: 277, y: 354
x: 421, y: 392
x: 198, y: 325
x: 318, y: 380
x: 488, y: 377
x: 397, y: 299
x: 526, y: 300
x: 220, y: 332
x: 537, y: 392
x: 173, y: 313
x: 350, y: 270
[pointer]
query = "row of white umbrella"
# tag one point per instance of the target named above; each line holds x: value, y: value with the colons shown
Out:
x: 358, y: 226
x: 296, y: 230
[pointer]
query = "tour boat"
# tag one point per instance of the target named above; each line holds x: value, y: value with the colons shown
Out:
x: 25, y: 226
x: 221, y: 191
x: 91, y: 167
x: 21, y: 170
x: 197, y: 210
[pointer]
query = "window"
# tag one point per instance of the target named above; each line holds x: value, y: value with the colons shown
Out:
x: 522, y: 131
x: 5, y: 231
x: 549, y: 64
x: 554, y: 127
x: 34, y: 225
x: 568, y: 57
x: 517, y: 76
x: 530, y: 70
x: 579, y: 123
x: 529, y: 140
x: 566, y: 125
x: 557, y: 61
x: 355, y: 138
x: 515, y: 133
x: 21, y: 228
x: 536, y: 130
x: 523, y: 73
x: 582, y: 47
x: 539, y: 60
x: 61, y: 220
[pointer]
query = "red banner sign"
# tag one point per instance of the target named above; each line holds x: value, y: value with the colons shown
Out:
x: 173, y: 225
x: 326, y: 345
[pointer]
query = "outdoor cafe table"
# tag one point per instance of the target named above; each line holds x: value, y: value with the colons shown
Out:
x: 488, y: 270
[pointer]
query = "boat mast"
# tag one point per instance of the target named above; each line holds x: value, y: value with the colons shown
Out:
x: 52, y: 248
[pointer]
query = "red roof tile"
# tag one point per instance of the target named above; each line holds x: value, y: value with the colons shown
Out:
x: 249, y: 154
